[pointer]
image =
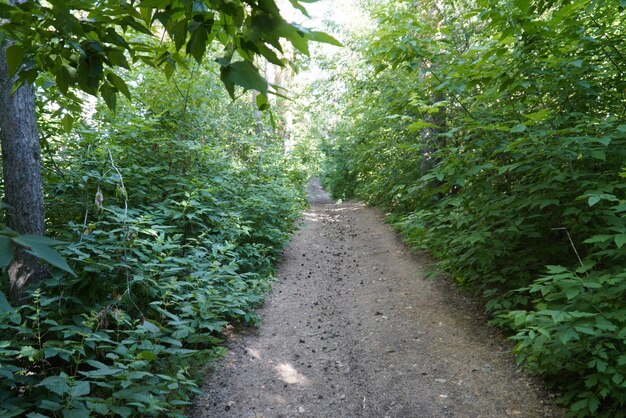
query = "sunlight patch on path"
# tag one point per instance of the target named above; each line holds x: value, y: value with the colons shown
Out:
x: 290, y: 375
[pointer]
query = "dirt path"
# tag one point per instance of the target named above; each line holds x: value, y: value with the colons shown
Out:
x: 352, y: 329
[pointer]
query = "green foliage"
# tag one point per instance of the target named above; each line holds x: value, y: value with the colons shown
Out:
x: 41, y: 247
x: 576, y: 334
x: 174, y: 212
x: 494, y: 132
x: 85, y: 47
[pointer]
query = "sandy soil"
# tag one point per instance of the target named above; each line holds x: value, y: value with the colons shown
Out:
x: 353, y: 329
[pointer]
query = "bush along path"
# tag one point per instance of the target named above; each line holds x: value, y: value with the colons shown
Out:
x: 505, y: 160
x: 354, y: 329
x: 182, y: 240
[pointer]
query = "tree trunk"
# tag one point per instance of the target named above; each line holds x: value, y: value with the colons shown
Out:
x: 282, y: 77
x: 23, y: 191
x: 429, y: 139
x: 257, y: 115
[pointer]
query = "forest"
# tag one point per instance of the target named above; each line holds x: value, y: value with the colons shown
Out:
x: 155, y: 155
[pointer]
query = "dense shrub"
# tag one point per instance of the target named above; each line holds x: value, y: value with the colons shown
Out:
x: 177, y: 213
x: 495, y: 135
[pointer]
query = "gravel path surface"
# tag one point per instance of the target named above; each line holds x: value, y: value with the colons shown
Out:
x: 353, y: 329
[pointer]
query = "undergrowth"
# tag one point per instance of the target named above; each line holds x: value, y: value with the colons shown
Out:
x: 495, y: 135
x: 177, y: 213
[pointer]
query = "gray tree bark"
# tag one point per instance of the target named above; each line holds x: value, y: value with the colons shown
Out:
x: 257, y: 115
x: 21, y: 170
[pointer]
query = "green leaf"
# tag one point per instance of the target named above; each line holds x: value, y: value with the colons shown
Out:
x: 40, y: 248
x: 567, y: 335
x: 109, y: 96
x: 523, y: 5
x: 137, y: 25
x: 197, y: 43
x: 520, y: 127
x: 154, y: 4
x: 420, y: 124
x: 5, y: 306
x: 598, y: 155
x: 122, y: 411
x: 117, y: 58
x: 14, y: 57
x: 296, y: 35
x: 576, y: 63
x: 598, y: 238
x: 244, y: 74
x: 6, y: 251
x: 539, y: 115
x: 169, y: 69
x: 119, y: 84
x: 579, y: 405
x: 593, y: 200
x: 57, y: 351
x: 89, y: 73
x: 101, y: 369
x: 593, y: 404
x: 325, y: 38
x: 64, y: 78
x: 27, y: 351
x: 56, y: 384
x: 28, y: 240
x: 179, y: 34
x: 262, y: 102
x: 67, y: 122
x: 148, y: 355
x: 75, y: 413
x: 556, y: 269
x: 572, y: 292
x: 99, y: 407
x: 270, y: 55
x: 620, y: 240
x: 296, y: 4
x: 604, y: 324
x: 585, y: 330
x: 51, y: 256
x: 80, y: 389
x: 149, y: 326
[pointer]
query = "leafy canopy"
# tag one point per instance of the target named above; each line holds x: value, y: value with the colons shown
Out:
x: 85, y: 43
